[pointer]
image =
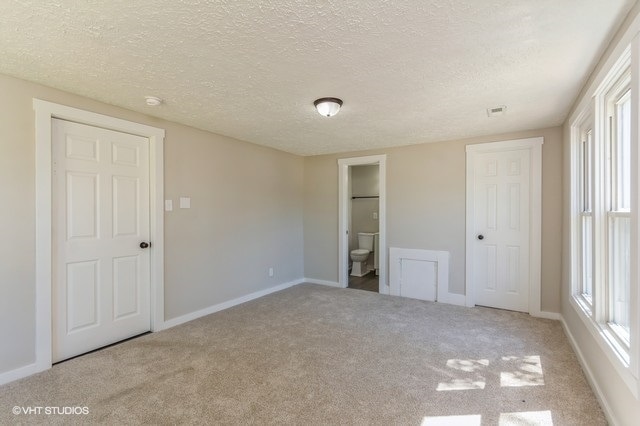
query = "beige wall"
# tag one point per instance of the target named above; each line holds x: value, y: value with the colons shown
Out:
x: 245, y: 216
x: 364, y: 180
x: 426, y: 206
x: 623, y: 406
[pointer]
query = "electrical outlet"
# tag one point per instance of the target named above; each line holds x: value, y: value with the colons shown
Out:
x: 271, y: 272
x: 375, y: 215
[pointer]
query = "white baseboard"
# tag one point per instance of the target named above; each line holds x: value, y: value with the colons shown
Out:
x: 19, y: 373
x: 322, y: 282
x: 452, y: 299
x: 226, y: 305
x: 547, y: 315
x: 608, y: 412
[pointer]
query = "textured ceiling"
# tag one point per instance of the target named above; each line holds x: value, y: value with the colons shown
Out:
x: 408, y: 71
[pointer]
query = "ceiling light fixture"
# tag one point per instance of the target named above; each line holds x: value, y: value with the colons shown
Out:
x: 153, y: 101
x: 328, y: 106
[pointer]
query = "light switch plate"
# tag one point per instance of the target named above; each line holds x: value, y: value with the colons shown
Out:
x: 185, y: 202
x: 168, y: 205
x: 375, y: 215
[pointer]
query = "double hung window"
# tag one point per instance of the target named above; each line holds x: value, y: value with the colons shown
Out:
x: 602, y: 186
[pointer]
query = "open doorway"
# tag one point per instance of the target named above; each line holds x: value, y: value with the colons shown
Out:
x: 362, y: 246
x: 364, y: 229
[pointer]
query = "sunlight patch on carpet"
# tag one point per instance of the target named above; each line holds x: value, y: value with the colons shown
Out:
x: 468, y: 365
x: 537, y: 418
x: 465, y: 367
x: 461, y: 384
x: 470, y: 420
x: 527, y: 372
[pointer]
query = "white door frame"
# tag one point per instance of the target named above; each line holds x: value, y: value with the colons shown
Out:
x: 343, y: 213
x: 535, y: 215
x: 45, y: 112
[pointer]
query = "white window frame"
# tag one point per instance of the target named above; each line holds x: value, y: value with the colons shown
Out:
x: 585, y: 124
x: 595, y: 315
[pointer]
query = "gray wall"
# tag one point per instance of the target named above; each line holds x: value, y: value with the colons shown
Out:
x: 245, y: 216
x: 426, y: 206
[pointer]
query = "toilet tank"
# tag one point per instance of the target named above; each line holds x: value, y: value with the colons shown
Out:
x: 365, y: 240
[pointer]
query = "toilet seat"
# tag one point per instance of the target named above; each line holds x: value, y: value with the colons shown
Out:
x: 359, y: 255
x: 360, y: 252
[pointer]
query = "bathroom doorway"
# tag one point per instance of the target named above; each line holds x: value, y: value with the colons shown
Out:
x: 364, y: 227
x: 362, y: 247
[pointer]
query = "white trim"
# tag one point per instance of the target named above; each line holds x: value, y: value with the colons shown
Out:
x: 453, y: 298
x: 535, y: 215
x: 18, y: 373
x: 228, y: 304
x: 343, y: 217
x: 548, y: 315
x: 44, y: 113
x: 322, y: 282
x: 634, y: 296
x: 602, y: 399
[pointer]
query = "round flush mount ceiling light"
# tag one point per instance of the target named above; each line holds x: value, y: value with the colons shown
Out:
x: 152, y: 101
x: 328, y: 106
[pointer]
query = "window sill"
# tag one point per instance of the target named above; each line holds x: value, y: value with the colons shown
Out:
x: 617, y: 355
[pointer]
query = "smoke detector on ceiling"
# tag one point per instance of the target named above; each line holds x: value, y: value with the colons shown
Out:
x: 495, y: 111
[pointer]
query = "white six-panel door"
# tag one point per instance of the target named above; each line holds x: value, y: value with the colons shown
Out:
x: 101, y: 289
x: 500, y: 248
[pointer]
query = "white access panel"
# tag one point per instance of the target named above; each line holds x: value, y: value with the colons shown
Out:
x: 419, y: 279
x: 419, y: 274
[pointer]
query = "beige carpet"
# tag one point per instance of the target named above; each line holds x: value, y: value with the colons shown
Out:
x: 320, y: 355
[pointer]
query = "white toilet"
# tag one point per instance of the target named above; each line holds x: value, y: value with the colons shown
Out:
x: 360, y: 255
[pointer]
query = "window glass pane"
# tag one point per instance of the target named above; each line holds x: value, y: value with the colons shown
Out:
x: 586, y: 176
x: 619, y: 280
x: 623, y: 154
x: 587, y: 258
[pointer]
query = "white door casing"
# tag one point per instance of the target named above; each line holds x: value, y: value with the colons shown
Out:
x: 101, y: 291
x: 45, y: 112
x: 503, y: 225
x: 344, y: 216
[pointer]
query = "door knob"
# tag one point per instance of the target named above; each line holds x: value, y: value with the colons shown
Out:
x: 144, y: 245
x: 481, y: 237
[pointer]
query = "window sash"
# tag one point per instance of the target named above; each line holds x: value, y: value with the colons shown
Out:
x: 585, y: 220
x: 618, y: 207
